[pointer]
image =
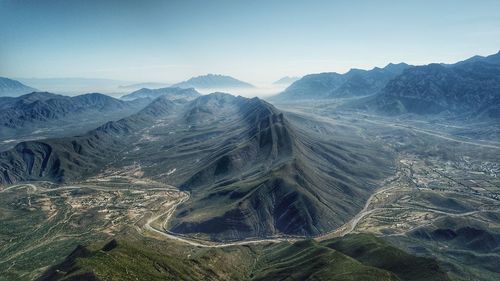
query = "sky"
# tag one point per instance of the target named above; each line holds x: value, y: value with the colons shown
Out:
x: 255, y: 41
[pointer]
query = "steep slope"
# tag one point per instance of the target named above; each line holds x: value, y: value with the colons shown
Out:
x: 62, y: 159
x: 468, y: 89
x: 355, y: 82
x: 303, y: 260
x: 213, y: 81
x: 13, y: 88
x: 173, y: 93
x: 312, y: 86
x: 267, y: 178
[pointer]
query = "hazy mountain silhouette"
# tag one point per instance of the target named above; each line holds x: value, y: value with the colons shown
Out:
x: 213, y: 81
x: 13, y: 88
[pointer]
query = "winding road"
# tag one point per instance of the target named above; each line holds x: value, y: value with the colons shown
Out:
x: 202, y: 243
x: 19, y: 186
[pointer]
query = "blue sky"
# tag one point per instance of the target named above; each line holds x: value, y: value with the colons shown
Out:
x: 256, y: 41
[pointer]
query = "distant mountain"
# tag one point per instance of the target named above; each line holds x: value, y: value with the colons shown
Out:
x: 213, y: 81
x: 13, y: 88
x: 250, y: 171
x: 43, y: 106
x: 493, y: 59
x: 355, y: 82
x: 143, y: 85
x: 172, y: 93
x: 470, y: 89
x: 287, y: 80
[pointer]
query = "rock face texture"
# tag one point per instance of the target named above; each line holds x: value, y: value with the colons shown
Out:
x: 468, y: 89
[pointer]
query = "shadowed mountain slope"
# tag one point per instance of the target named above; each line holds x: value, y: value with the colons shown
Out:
x: 74, y: 158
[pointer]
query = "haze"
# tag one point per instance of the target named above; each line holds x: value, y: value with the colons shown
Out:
x: 256, y: 41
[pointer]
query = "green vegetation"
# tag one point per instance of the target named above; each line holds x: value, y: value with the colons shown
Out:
x: 132, y: 258
x: 374, y: 251
x: 150, y: 260
x: 308, y: 260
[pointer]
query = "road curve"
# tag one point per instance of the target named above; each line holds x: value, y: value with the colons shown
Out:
x: 203, y: 243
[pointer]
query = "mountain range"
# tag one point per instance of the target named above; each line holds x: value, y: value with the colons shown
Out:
x: 172, y: 93
x: 356, y: 82
x: 213, y: 81
x: 467, y: 89
x: 41, y: 115
x: 43, y: 106
x: 250, y: 171
x: 13, y: 88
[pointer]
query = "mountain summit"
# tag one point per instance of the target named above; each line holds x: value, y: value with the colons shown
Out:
x: 213, y: 81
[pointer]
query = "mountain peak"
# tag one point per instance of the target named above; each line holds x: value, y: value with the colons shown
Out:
x: 213, y: 81
x: 158, y: 107
x: 396, y: 64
